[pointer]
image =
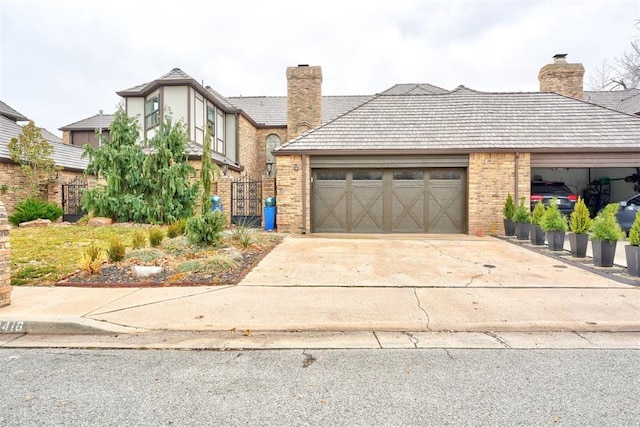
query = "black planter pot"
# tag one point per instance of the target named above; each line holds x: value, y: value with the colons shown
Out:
x: 603, y: 253
x: 555, y: 240
x: 522, y: 230
x: 578, y: 244
x: 537, y: 235
x: 633, y: 260
x: 509, y: 227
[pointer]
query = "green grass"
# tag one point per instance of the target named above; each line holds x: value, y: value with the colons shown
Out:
x: 41, y: 256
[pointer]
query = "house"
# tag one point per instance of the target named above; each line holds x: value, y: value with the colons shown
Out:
x: 86, y: 131
x: 445, y: 162
x: 12, y: 181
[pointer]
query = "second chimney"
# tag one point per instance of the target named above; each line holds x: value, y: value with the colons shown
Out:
x: 304, y: 99
x: 562, y: 77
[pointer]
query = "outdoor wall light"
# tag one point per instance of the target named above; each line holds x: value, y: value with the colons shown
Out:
x: 269, y: 167
x: 295, y: 167
x: 225, y: 167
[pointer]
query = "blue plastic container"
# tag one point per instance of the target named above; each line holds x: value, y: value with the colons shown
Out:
x: 269, y: 218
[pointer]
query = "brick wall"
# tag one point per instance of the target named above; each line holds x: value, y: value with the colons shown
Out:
x: 249, y: 148
x: 491, y: 176
x: 5, y: 265
x: 292, y: 216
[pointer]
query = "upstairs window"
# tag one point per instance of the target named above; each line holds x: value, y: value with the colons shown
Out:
x: 211, y: 120
x: 152, y: 112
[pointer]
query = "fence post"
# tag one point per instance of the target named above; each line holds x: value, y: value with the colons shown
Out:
x: 5, y: 265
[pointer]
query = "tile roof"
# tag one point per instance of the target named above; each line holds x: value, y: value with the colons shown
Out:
x: 91, y: 123
x: 414, y: 89
x: 66, y: 156
x: 627, y: 101
x: 272, y: 110
x: 9, y: 112
x: 464, y: 120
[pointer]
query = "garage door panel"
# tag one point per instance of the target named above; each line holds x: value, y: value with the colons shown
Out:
x: 411, y: 200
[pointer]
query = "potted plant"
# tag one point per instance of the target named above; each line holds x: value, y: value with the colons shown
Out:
x: 580, y: 223
x: 537, y: 233
x: 605, y: 233
x: 632, y: 250
x: 554, y: 223
x: 522, y: 219
x: 508, y: 210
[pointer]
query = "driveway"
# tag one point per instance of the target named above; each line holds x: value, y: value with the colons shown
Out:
x: 417, y: 261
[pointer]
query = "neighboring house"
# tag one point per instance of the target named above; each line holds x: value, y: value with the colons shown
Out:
x: 12, y: 181
x: 86, y: 131
x: 444, y: 163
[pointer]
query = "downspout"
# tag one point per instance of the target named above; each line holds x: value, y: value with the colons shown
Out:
x: 517, y: 176
x: 304, y: 193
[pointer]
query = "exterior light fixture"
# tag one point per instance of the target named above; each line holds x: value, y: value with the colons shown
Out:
x: 295, y: 167
x: 225, y: 167
x: 269, y: 167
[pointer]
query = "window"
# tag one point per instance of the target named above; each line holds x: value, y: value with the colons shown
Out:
x: 211, y: 120
x: 152, y: 112
x: 273, y: 142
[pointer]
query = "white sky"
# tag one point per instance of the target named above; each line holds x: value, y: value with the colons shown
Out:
x: 62, y: 61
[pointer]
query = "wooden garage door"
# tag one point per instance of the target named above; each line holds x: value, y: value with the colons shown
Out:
x: 388, y: 201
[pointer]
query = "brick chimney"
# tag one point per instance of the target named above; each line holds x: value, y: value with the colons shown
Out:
x: 562, y: 77
x: 304, y: 99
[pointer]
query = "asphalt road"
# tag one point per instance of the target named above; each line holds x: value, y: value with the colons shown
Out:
x: 319, y: 387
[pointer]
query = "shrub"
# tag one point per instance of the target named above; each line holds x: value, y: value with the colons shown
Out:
x: 509, y: 208
x: 31, y: 209
x: 92, y: 260
x: 146, y: 255
x: 206, y: 229
x: 116, y: 249
x: 537, y: 213
x: 580, y: 219
x: 245, y: 236
x: 177, y: 228
x: 605, y: 225
x: 215, y: 264
x: 553, y: 219
x: 634, y: 232
x: 155, y: 236
x: 521, y: 213
x: 138, y: 239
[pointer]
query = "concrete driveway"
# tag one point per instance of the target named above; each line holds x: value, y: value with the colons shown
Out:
x: 416, y: 261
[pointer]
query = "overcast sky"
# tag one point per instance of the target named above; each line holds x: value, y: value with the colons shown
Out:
x: 62, y: 61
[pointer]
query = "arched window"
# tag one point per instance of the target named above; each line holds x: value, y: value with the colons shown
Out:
x: 273, y: 142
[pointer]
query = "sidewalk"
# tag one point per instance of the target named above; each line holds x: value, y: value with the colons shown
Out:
x: 427, y: 285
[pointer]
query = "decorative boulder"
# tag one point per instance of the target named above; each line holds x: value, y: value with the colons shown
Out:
x: 100, y: 221
x: 36, y: 223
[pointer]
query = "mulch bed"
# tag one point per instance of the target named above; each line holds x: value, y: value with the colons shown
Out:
x: 121, y: 275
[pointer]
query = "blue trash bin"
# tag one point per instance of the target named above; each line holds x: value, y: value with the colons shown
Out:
x: 269, y: 218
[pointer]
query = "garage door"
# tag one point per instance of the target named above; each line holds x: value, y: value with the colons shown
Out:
x: 409, y: 200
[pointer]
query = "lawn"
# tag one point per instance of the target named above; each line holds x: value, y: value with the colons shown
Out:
x: 41, y: 256
x: 44, y: 256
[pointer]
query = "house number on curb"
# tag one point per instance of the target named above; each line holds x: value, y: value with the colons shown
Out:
x: 11, y: 327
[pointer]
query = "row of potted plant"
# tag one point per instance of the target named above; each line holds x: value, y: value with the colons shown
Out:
x: 604, y: 231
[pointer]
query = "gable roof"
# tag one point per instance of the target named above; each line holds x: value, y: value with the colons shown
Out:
x: 10, y: 113
x: 627, y: 101
x: 465, y: 120
x: 91, y: 123
x: 177, y: 77
x: 272, y: 110
x: 64, y: 155
x: 414, y: 89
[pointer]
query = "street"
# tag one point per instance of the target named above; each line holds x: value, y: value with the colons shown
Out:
x: 319, y: 387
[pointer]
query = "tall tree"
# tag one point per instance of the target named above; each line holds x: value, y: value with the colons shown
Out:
x: 118, y: 161
x: 33, y: 153
x: 623, y: 74
x: 209, y: 173
x: 170, y: 194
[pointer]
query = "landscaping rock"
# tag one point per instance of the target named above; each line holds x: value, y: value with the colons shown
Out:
x: 146, y: 271
x: 100, y: 221
x: 36, y: 223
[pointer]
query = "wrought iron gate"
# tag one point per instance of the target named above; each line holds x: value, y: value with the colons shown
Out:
x: 246, y: 202
x: 71, y: 195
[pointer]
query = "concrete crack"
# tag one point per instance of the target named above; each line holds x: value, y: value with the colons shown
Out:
x: 497, y: 338
x: 586, y: 339
x: 472, y: 279
x: 377, y: 339
x: 446, y: 350
x: 415, y: 292
x: 308, y: 359
x: 413, y: 339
